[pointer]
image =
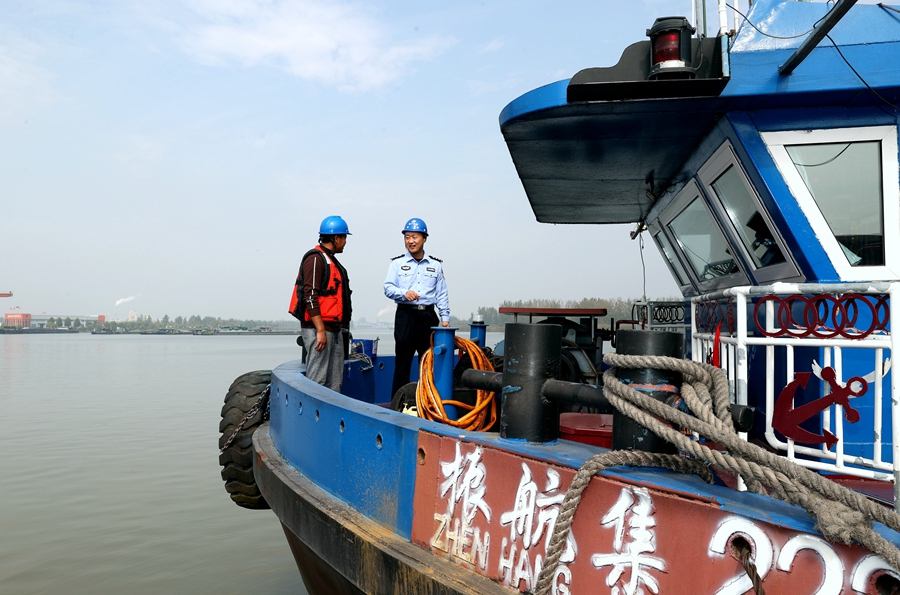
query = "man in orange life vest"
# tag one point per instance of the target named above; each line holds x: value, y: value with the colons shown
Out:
x: 321, y: 302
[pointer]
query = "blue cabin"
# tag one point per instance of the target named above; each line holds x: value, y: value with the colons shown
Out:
x: 767, y: 176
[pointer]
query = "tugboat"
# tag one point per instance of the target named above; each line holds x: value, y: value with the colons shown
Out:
x: 753, y: 430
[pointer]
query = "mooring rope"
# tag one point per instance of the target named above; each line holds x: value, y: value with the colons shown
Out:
x: 841, y: 515
x: 583, y: 477
x: 742, y: 550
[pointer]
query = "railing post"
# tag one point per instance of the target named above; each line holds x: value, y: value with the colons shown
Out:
x: 740, y: 384
x: 895, y: 395
x: 478, y: 331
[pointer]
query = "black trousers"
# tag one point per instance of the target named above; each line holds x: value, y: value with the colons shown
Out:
x: 412, y: 334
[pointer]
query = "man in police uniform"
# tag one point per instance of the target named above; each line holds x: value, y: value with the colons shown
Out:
x: 321, y: 302
x: 415, y: 281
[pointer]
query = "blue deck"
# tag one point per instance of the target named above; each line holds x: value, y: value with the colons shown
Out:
x: 365, y: 455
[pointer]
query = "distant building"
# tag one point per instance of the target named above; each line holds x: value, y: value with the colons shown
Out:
x: 17, y: 320
x: 23, y: 320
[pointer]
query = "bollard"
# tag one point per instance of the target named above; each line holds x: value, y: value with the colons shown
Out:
x: 658, y: 384
x: 531, y: 356
x: 444, y: 344
x: 478, y: 331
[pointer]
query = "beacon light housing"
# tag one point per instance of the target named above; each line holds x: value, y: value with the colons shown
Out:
x: 670, y: 49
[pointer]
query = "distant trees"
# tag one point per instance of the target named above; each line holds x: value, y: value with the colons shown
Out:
x: 616, y: 308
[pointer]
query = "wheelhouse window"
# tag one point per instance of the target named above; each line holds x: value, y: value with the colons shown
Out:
x: 692, y: 240
x: 747, y: 221
x: 846, y: 182
x: 681, y: 276
x: 702, y: 242
x: 752, y: 229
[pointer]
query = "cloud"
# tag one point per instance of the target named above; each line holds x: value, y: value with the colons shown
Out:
x: 493, y: 46
x: 334, y: 43
x: 23, y: 83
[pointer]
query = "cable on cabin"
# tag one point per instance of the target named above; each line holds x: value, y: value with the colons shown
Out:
x: 481, y: 416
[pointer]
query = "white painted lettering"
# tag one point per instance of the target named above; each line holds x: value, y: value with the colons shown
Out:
x: 506, y: 564
x: 633, y: 509
x: 523, y: 572
x: 436, y: 541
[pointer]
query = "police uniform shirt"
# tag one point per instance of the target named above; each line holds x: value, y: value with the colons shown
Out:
x: 425, y: 277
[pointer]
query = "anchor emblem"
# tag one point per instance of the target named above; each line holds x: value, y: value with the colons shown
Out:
x: 786, y: 419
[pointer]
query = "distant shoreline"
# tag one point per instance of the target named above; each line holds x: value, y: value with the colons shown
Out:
x: 46, y: 331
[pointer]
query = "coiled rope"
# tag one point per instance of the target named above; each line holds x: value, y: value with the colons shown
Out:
x: 841, y: 515
x: 481, y: 416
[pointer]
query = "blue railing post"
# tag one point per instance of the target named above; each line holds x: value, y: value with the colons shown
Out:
x: 444, y: 343
x: 478, y: 331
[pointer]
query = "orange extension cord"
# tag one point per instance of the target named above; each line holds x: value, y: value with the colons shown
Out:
x: 480, y: 417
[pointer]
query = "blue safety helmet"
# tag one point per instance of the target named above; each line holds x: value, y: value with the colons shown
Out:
x: 334, y: 226
x: 417, y: 225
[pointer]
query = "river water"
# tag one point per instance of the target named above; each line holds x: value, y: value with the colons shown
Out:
x: 109, y: 473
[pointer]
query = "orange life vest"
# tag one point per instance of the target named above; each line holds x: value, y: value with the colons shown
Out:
x: 330, y: 294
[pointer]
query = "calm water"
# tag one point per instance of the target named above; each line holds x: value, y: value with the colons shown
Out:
x: 109, y: 474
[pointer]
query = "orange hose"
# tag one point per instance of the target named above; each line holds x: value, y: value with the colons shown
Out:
x: 480, y: 416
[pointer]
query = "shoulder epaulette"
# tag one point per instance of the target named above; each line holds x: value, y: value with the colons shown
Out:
x: 396, y: 257
x: 435, y: 258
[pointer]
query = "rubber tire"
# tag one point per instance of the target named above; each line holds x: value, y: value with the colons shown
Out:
x: 237, y: 460
x: 405, y: 396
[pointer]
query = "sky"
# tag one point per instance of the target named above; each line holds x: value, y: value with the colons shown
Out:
x: 176, y: 158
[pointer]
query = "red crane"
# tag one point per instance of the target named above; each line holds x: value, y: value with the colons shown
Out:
x: 7, y: 294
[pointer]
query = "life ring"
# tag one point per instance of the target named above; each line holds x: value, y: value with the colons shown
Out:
x: 248, y: 394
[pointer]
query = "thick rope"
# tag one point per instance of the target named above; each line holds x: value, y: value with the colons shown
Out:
x: 583, y: 477
x: 842, y: 515
x: 742, y: 550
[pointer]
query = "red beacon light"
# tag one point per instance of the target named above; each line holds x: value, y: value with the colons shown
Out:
x: 670, y: 49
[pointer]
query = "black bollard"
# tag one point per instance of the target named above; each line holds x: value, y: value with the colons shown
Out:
x: 531, y: 356
x: 658, y: 384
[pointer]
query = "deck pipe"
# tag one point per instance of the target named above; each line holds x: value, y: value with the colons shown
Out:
x: 531, y: 357
x: 661, y: 385
x: 584, y: 395
x: 478, y: 332
x: 444, y: 344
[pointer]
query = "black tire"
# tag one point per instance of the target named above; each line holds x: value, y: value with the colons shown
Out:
x: 237, y: 459
x: 404, y: 397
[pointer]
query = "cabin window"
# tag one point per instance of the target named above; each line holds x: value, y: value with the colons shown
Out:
x: 745, y: 218
x: 842, y: 175
x: 702, y: 242
x: 681, y: 275
x: 846, y: 182
x: 741, y: 210
x: 699, y: 253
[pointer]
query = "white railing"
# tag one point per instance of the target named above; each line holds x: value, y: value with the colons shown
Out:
x: 776, y: 320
